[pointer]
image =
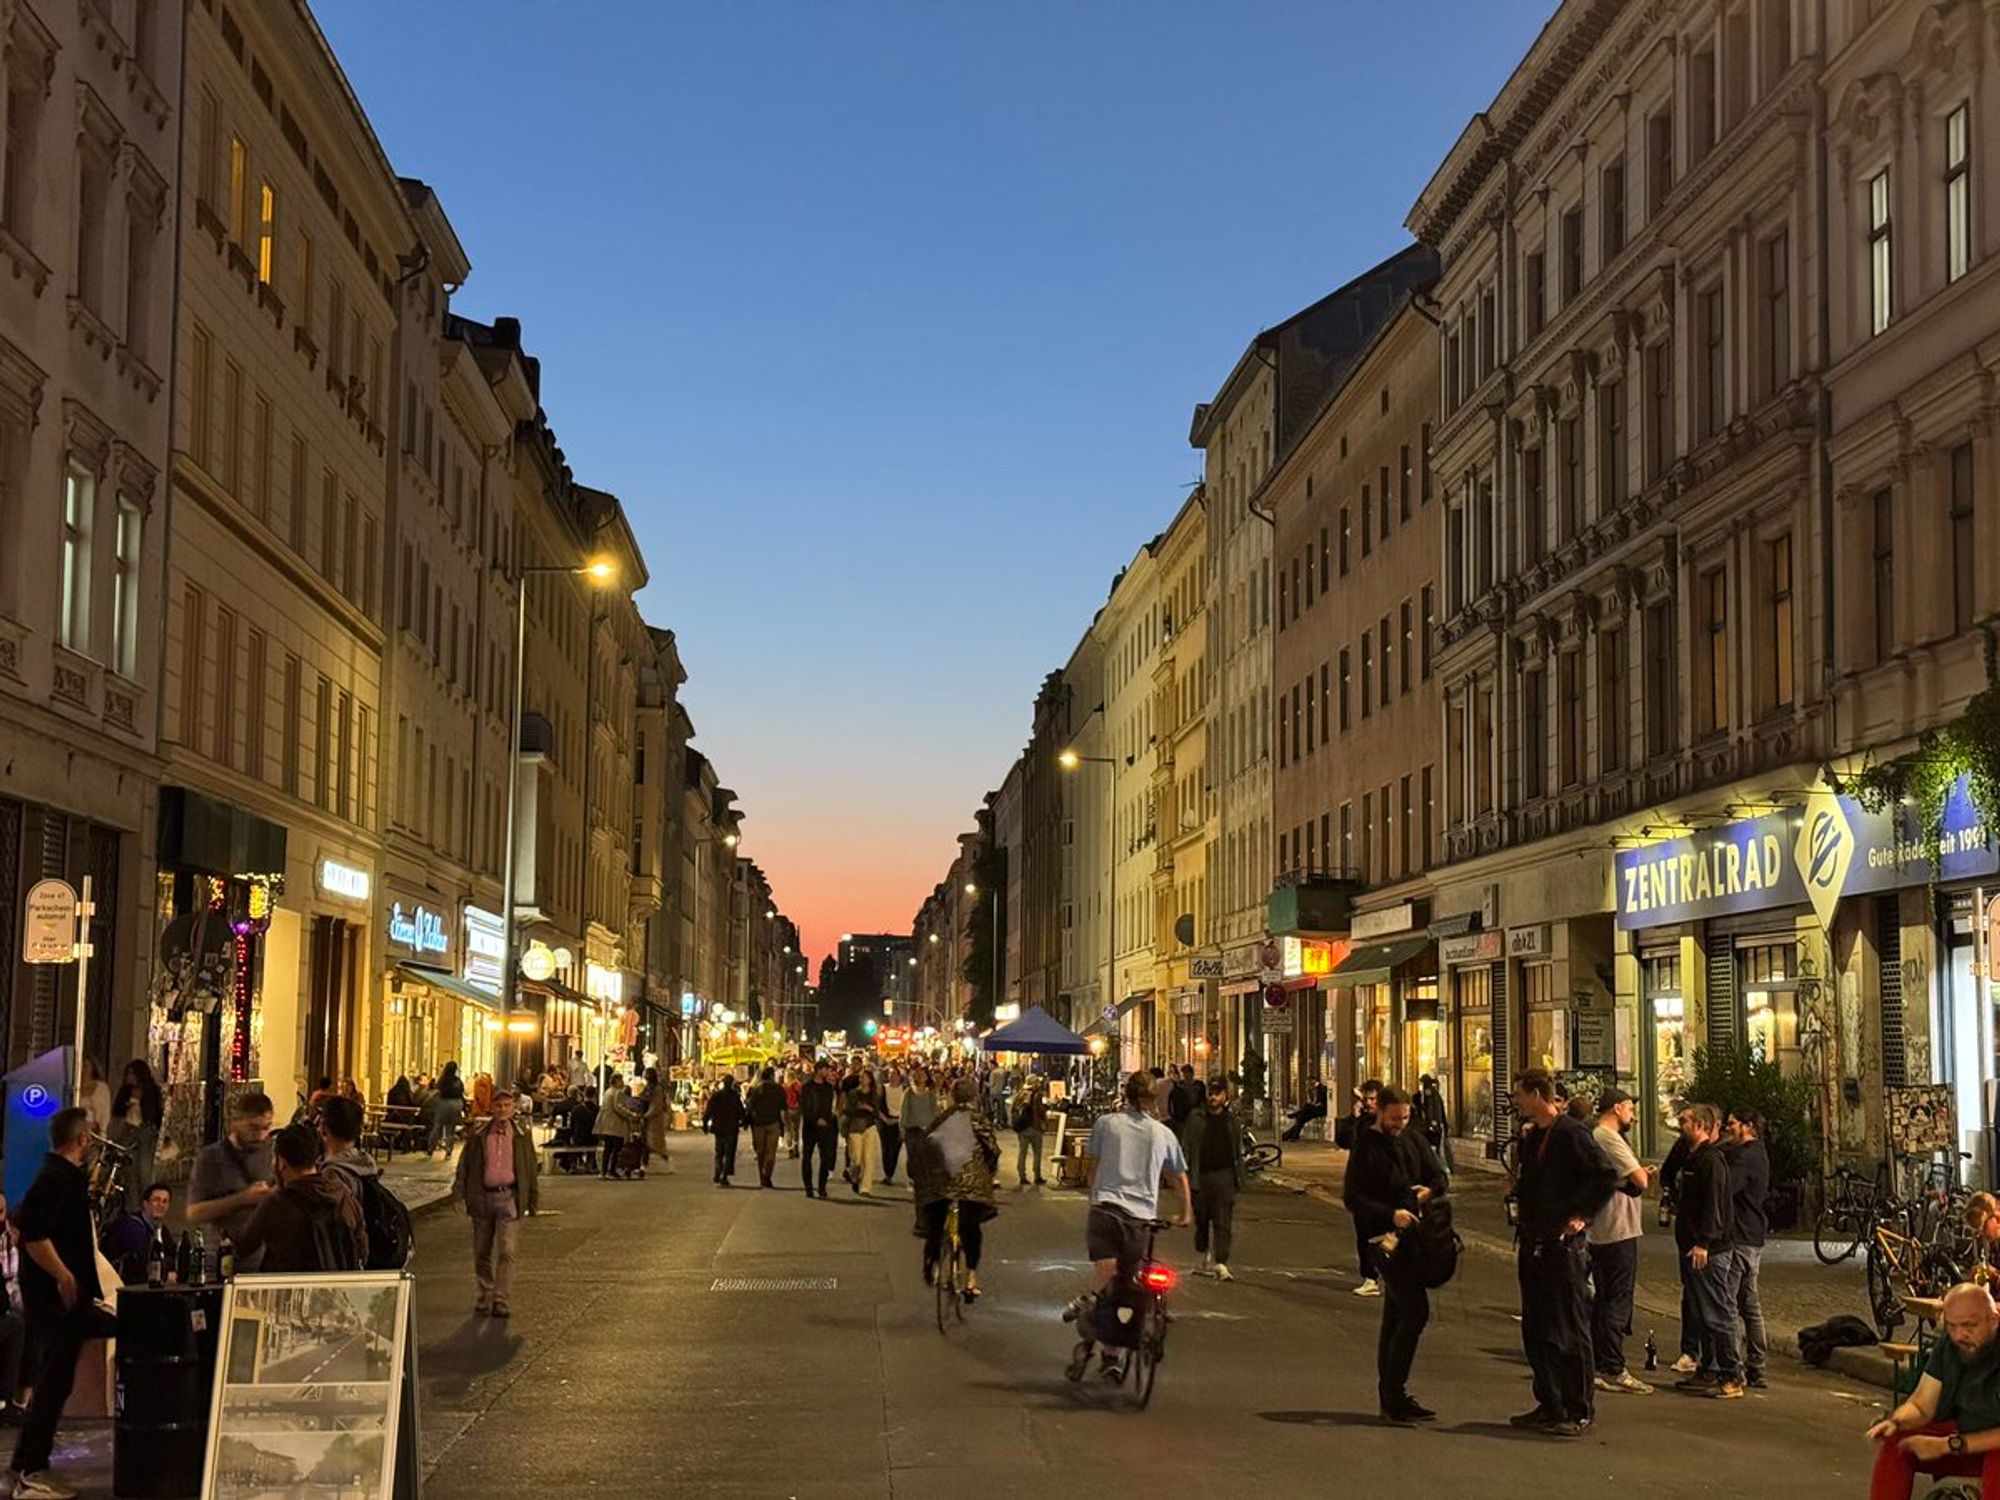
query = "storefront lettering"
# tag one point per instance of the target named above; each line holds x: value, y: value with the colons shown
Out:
x: 485, y: 950
x: 419, y: 929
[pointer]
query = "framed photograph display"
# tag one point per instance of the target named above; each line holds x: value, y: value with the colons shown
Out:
x: 309, y: 1388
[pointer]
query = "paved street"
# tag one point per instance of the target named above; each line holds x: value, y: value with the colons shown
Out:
x: 622, y: 1357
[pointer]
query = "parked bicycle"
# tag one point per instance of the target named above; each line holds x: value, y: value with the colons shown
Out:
x: 1846, y: 1214
x: 110, y: 1167
x: 1259, y: 1156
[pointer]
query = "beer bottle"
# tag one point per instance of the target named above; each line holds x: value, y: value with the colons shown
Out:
x: 1652, y: 1351
x: 198, y: 1272
x: 156, y: 1261
x: 225, y: 1259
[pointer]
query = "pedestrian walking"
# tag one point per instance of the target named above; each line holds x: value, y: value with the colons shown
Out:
x: 231, y: 1176
x: 722, y: 1118
x: 819, y: 1126
x: 1750, y: 1220
x: 765, y: 1109
x: 616, y: 1122
x: 659, y: 1102
x: 919, y: 1112
x: 1164, y: 1080
x: 1346, y: 1131
x: 1704, y: 1234
x: 137, y: 1112
x: 60, y: 1295
x: 1393, y: 1177
x: 1613, y: 1237
x: 792, y: 1087
x: 447, y: 1109
x: 1031, y: 1118
x: 312, y: 1223
x: 1564, y: 1180
x: 863, y: 1115
x: 1429, y: 1113
x: 497, y: 1184
x: 890, y: 1126
x: 1212, y: 1141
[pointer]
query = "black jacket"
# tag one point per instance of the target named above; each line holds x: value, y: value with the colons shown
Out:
x: 1194, y: 1133
x: 1703, y: 1215
x: 1749, y: 1188
x: 57, y: 1209
x: 724, y: 1112
x: 767, y: 1104
x: 1565, y: 1175
x: 1347, y: 1129
x: 1383, y: 1174
x: 1673, y: 1166
x: 819, y: 1106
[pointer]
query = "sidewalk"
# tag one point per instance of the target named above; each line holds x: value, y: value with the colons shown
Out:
x: 421, y: 1181
x: 1797, y: 1290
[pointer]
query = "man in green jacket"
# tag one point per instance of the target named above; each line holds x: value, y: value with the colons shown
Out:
x: 1212, y: 1142
x: 498, y: 1182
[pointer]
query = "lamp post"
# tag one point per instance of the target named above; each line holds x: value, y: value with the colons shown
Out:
x: 600, y: 573
x: 1070, y: 760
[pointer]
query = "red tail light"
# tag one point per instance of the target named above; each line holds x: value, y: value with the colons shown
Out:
x: 1158, y: 1278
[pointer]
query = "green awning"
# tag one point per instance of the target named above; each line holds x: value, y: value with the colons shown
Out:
x: 1373, y: 963
x: 451, y: 984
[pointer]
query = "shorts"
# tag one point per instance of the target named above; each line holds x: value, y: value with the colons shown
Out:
x: 1112, y: 1234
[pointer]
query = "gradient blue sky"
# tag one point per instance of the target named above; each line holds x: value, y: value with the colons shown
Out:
x: 886, y: 320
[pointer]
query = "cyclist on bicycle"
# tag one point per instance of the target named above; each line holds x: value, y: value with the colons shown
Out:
x: 956, y: 1161
x: 1131, y: 1152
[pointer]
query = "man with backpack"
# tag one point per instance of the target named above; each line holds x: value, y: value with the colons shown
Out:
x: 1395, y: 1183
x: 312, y: 1222
x: 497, y: 1182
x: 390, y: 1238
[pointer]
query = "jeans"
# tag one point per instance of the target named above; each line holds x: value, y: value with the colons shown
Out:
x: 892, y: 1148
x: 1030, y: 1143
x: 1555, y: 1324
x: 1690, y: 1319
x: 493, y: 1241
x: 792, y: 1131
x: 1215, y: 1214
x: 60, y: 1336
x: 1614, y: 1272
x: 725, y: 1155
x: 1747, y: 1300
x: 826, y: 1142
x: 1713, y: 1289
x: 1364, y: 1253
x: 1896, y: 1472
x: 1406, y: 1308
x: 1304, y: 1115
x: 764, y: 1138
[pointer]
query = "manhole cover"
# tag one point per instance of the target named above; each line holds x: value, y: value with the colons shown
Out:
x: 775, y: 1284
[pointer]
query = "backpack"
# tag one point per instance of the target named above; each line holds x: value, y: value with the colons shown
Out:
x: 390, y: 1236
x: 1428, y: 1250
x: 333, y: 1248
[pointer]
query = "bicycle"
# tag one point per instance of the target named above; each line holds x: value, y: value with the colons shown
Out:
x: 1923, y: 1266
x: 108, y: 1170
x: 1259, y: 1156
x: 948, y: 1276
x: 1139, y: 1365
x: 1846, y: 1213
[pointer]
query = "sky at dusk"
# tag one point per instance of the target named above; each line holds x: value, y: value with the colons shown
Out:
x: 886, y: 319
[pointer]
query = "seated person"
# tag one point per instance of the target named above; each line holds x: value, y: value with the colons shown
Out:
x: 126, y: 1240
x: 583, y: 1120
x: 1951, y: 1423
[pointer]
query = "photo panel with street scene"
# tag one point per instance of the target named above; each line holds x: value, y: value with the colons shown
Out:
x: 300, y: 1466
x: 249, y: 1410
x: 313, y: 1330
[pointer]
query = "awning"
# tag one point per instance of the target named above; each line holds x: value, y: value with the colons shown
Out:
x: 450, y: 983
x: 1239, y: 986
x: 555, y: 989
x: 1102, y: 1027
x: 1372, y: 963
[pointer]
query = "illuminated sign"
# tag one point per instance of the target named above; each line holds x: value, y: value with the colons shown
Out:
x: 419, y: 929
x: 485, y: 950
x: 1305, y: 957
x: 345, y: 881
x: 538, y: 963
x: 601, y: 983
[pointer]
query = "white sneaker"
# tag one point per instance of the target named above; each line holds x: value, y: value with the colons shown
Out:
x: 1369, y: 1289
x: 1222, y: 1272
x: 41, y: 1485
x: 1625, y: 1382
x: 1685, y: 1365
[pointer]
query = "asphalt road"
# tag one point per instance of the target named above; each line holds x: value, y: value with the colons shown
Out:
x: 625, y: 1364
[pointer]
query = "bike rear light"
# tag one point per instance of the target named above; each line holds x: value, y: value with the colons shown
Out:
x: 1158, y: 1278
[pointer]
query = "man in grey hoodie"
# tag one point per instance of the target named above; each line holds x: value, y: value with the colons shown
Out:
x: 340, y: 1137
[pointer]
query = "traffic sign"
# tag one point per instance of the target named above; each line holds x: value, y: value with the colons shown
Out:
x: 48, y: 933
x: 1277, y: 997
x: 1269, y: 957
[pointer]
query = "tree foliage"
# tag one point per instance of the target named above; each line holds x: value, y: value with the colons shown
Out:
x: 1734, y: 1077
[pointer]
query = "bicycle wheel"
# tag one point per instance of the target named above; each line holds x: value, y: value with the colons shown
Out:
x: 960, y: 1280
x: 944, y: 1282
x: 1146, y: 1358
x: 1260, y: 1157
x: 1884, y: 1305
x: 1836, y: 1234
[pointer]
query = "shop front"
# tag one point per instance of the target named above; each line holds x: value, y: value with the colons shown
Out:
x: 1385, y: 1001
x: 1465, y: 1034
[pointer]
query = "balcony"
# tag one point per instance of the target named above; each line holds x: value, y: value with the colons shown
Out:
x: 1311, y: 901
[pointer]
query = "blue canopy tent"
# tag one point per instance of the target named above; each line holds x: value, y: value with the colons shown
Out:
x: 1036, y: 1031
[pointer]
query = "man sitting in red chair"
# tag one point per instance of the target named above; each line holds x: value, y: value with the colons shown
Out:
x: 1951, y: 1423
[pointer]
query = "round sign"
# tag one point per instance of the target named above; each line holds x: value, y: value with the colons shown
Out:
x: 538, y: 963
x: 1268, y: 956
x: 1277, y: 997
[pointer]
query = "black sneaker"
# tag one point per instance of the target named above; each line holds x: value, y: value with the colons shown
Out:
x: 1565, y: 1428
x: 1539, y: 1417
x: 1756, y: 1381
x: 1698, y: 1382
x: 1418, y: 1410
x: 1399, y: 1416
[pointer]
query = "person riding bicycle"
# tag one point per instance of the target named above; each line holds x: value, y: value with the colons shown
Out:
x: 1130, y: 1151
x: 956, y: 1160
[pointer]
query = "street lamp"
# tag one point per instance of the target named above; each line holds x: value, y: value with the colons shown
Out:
x: 1070, y: 760
x: 600, y: 572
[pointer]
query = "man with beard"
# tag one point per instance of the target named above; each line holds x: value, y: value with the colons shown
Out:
x: 1392, y: 1177
x: 1951, y: 1423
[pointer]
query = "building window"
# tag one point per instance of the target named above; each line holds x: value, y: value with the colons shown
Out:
x: 1429, y: 624
x: 1659, y: 159
x: 124, y: 588
x: 93, y: 209
x: 232, y: 429
x: 1534, y: 509
x: 1880, y: 290
x: 1610, y: 448
x: 1403, y: 484
x: 1709, y: 398
x: 1367, y: 509
x: 1534, y: 736
x: 1409, y: 643
x: 1366, y: 868
x: 194, y: 625
x: 1702, y: 121
x: 267, y: 234
x: 1662, y: 697
x: 79, y: 502
x: 1957, y: 192
x: 1962, y: 553
x: 1659, y: 379
x: 1382, y: 636
x: 1489, y: 342
x: 1534, y: 292
x: 1454, y: 557
x: 1382, y: 484
x: 1777, y: 313
x: 1346, y: 530
x: 1424, y: 442
x: 224, y: 750
x: 1884, y: 557
x: 1482, y: 537
x: 1403, y: 830
x: 1346, y: 683
x: 1611, y: 209
x: 1572, y: 255
x: 1778, y: 583
x: 140, y: 234
x: 201, y: 377
x: 1367, y: 675
x: 1569, y: 459
x: 239, y: 191
x: 1569, y: 705
x: 24, y: 118
x: 1712, y: 599
x: 1614, y: 713
x: 1451, y: 393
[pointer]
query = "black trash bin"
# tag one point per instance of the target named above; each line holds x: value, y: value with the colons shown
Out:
x: 166, y: 1377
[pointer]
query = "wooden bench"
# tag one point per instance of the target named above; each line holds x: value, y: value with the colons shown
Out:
x: 391, y: 1128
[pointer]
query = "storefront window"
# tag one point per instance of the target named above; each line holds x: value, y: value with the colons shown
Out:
x: 1548, y: 1023
x: 1660, y: 976
x: 1767, y: 978
x: 1474, y: 1010
x: 1421, y: 1031
x: 1373, y: 1057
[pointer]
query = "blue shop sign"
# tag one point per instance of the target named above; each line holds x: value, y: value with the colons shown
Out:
x: 1831, y: 849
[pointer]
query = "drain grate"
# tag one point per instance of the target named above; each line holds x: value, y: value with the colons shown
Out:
x: 775, y: 1284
